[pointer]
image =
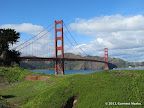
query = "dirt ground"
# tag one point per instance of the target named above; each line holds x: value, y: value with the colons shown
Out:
x: 36, y: 78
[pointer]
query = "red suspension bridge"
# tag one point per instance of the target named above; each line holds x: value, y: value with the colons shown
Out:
x: 31, y: 50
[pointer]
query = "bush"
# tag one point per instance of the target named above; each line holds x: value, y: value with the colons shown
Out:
x: 13, y: 74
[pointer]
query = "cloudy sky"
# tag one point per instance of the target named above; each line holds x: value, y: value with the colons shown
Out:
x: 95, y: 24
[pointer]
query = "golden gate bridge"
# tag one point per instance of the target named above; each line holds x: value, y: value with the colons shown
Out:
x: 30, y: 49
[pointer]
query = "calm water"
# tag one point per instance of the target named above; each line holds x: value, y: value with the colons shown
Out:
x: 137, y: 68
x: 67, y: 72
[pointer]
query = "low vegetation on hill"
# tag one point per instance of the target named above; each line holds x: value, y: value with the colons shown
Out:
x: 13, y: 74
x: 95, y: 90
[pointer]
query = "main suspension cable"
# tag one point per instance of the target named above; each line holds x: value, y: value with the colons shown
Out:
x: 70, y: 42
x: 74, y: 39
x: 36, y: 39
x: 34, y: 36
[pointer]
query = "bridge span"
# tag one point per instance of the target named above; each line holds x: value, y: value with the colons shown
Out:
x: 60, y: 59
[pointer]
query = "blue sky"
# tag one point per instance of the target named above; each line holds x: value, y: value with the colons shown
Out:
x: 76, y: 13
x: 42, y: 12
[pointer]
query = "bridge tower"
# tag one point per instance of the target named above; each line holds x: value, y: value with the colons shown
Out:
x: 106, y: 58
x: 59, y: 64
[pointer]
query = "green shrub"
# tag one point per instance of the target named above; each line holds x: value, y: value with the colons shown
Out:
x: 13, y: 74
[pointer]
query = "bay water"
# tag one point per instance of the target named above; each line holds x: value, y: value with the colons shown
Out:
x: 67, y: 72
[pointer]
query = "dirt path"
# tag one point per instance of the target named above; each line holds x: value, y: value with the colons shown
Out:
x: 36, y: 78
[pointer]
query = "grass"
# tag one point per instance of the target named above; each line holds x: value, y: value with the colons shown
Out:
x: 94, y: 90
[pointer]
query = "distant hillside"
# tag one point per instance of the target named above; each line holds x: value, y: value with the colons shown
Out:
x: 80, y: 65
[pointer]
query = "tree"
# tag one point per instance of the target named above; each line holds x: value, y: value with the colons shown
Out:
x: 8, y: 57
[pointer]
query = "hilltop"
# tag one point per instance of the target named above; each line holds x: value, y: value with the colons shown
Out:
x: 80, y: 65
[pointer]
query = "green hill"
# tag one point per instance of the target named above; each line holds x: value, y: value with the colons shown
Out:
x: 96, y: 90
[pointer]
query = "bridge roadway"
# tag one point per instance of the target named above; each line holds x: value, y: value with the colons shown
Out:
x: 60, y: 59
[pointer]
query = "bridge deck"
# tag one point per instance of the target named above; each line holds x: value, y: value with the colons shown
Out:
x: 59, y: 59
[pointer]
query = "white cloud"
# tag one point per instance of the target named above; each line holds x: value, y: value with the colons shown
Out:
x: 123, y: 35
x: 108, y: 24
x: 24, y: 27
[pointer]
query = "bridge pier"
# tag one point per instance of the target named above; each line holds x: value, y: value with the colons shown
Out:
x: 106, y: 58
x: 59, y: 64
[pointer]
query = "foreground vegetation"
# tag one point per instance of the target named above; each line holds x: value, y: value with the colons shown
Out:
x: 13, y: 74
x: 93, y: 90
